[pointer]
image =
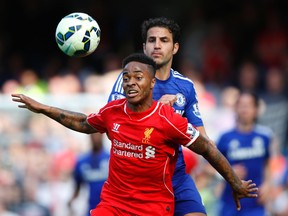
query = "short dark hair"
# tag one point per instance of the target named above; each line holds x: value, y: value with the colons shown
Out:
x: 165, y: 22
x: 142, y: 58
x: 254, y: 95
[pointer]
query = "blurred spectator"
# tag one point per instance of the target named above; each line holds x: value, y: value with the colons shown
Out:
x: 277, y: 205
x: 271, y: 42
x: 206, y: 96
x: 217, y: 48
x: 64, y: 85
x: 10, y: 86
x: 77, y: 67
x: 248, y: 77
x: 93, y: 84
x: 221, y: 118
x: 247, y: 148
x: 5, y: 212
x: 30, y: 83
x: 275, y: 113
x: 193, y: 36
x: 257, y: 33
x: 91, y: 170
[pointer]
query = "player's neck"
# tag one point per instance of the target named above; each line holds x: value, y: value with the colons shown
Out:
x: 163, y: 73
x: 245, y: 127
x: 140, y: 107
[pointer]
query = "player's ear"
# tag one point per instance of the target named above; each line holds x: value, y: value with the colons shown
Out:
x: 153, y: 81
x: 175, y: 48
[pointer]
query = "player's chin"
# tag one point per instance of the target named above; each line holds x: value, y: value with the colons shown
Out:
x: 135, y: 100
x: 132, y: 100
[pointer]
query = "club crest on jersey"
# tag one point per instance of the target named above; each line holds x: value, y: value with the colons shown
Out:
x: 117, y: 96
x: 181, y: 100
x: 147, y: 135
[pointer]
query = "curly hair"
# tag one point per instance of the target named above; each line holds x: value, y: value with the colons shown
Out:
x: 165, y: 22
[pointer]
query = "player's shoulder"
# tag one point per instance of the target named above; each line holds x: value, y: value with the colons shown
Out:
x: 114, y: 104
x: 228, y: 133
x: 180, y: 77
x: 165, y: 108
x: 263, y: 130
x: 168, y: 112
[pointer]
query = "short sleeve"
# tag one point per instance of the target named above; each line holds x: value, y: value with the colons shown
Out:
x: 179, y: 130
x: 96, y: 121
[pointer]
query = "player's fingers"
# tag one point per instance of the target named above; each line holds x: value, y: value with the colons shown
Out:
x: 237, y: 202
x: 253, y: 185
x: 22, y: 106
x: 254, y: 189
x: 16, y: 99
x: 251, y: 195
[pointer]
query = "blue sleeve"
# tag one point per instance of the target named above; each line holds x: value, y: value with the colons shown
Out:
x: 77, y: 175
x: 117, y: 91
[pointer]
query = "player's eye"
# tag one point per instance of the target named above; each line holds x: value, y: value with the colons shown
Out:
x: 151, y: 40
x: 125, y: 79
x: 139, y: 77
x: 165, y: 40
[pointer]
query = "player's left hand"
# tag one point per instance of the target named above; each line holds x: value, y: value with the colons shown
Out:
x: 168, y: 99
x: 247, y: 190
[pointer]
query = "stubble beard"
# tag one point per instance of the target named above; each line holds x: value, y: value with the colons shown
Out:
x: 162, y: 64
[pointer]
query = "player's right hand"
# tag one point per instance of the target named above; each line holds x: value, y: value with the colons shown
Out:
x: 27, y: 102
x: 168, y: 99
x: 248, y: 189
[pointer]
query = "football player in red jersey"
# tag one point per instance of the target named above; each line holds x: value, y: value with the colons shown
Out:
x: 143, y: 133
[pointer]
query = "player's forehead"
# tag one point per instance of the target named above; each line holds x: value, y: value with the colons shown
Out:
x: 159, y: 32
x: 135, y: 67
x: 246, y: 100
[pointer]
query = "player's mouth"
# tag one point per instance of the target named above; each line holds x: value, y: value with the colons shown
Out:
x: 156, y: 54
x: 131, y: 93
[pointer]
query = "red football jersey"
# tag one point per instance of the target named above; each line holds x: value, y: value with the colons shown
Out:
x: 143, y: 155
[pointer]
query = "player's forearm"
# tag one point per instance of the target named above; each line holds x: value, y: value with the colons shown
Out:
x: 72, y: 120
x: 209, y: 151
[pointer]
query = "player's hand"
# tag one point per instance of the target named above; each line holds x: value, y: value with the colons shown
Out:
x: 27, y: 103
x: 247, y: 190
x: 168, y: 99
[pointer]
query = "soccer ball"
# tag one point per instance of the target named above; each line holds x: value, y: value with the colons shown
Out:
x: 78, y: 34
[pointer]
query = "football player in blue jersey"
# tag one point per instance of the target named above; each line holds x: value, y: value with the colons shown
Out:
x: 247, y: 147
x: 91, y: 170
x: 161, y: 42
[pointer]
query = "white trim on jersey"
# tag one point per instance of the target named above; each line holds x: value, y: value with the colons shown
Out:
x: 118, y: 85
x: 178, y: 75
x: 151, y: 113
x: 196, y: 135
x: 164, y: 180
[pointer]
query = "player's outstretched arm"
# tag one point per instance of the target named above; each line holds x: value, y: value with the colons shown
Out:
x: 72, y: 120
x: 240, y: 187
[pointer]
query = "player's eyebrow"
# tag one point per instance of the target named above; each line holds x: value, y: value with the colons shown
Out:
x: 134, y: 71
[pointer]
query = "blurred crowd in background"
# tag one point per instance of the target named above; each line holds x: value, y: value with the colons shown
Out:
x: 225, y: 47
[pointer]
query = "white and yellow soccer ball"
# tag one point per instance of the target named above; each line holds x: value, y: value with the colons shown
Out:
x: 78, y: 34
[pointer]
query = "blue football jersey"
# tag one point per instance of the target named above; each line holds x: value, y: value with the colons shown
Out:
x: 186, y: 105
x: 92, y: 169
x: 252, y: 150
